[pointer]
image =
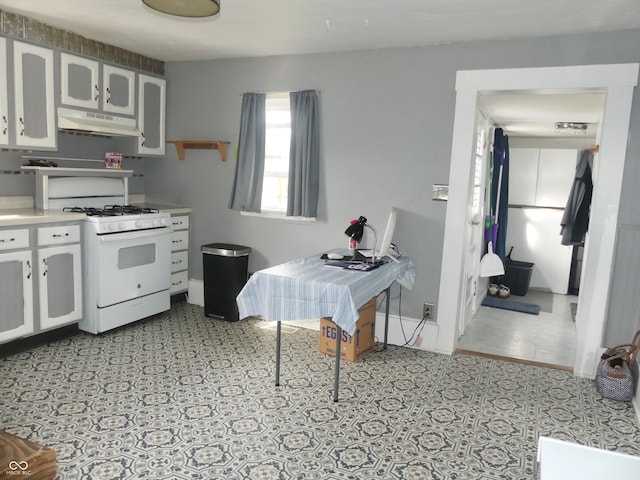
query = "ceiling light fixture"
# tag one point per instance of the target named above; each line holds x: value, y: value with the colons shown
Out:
x: 185, y: 8
x: 576, y: 127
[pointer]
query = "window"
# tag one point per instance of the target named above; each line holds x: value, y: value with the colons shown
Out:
x: 276, y: 156
x: 277, y: 172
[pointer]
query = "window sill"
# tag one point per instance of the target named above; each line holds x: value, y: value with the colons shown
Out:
x: 280, y: 216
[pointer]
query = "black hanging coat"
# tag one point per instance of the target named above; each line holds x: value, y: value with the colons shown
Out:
x: 575, y: 220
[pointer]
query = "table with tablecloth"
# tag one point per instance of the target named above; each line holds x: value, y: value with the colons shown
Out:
x: 307, y: 288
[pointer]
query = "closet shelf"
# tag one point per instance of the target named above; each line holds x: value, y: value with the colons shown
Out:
x: 182, y: 145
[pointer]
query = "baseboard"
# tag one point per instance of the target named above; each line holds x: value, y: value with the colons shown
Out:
x: 409, y: 332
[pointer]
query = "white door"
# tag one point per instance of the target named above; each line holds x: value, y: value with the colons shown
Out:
x: 474, y: 285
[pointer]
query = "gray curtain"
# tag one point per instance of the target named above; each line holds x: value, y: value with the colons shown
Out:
x: 304, y: 155
x: 247, y: 184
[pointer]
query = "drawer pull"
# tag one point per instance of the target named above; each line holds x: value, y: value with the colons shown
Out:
x: 58, y: 235
x: 176, y: 284
x: 176, y: 263
x: 8, y: 240
x: 177, y: 241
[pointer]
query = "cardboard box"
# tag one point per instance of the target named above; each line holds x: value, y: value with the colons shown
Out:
x: 356, y: 346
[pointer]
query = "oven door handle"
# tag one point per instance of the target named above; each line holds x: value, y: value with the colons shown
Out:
x: 118, y: 237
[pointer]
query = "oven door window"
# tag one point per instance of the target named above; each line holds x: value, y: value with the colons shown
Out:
x: 132, y: 265
x: 136, y: 256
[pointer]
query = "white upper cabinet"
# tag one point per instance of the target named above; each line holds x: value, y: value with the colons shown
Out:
x: 4, y: 95
x: 151, y: 114
x: 119, y: 90
x: 34, y: 116
x: 79, y: 81
x: 81, y: 85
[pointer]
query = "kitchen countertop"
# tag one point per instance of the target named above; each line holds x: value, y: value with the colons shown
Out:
x: 173, y: 209
x: 29, y: 216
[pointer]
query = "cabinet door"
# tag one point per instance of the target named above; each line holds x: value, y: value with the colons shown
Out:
x: 151, y: 114
x: 16, y: 295
x: 79, y: 81
x: 34, y: 100
x: 59, y: 282
x: 119, y: 90
x: 4, y: 96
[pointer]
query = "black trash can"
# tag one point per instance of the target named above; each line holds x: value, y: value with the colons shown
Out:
x: 517, y: 276
x: 225, y: 270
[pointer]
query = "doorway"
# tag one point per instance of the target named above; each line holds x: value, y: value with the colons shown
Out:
x: 618, y: 82
x: 543, y: 159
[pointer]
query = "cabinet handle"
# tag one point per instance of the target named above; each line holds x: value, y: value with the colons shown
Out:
x: 7, y: 240
x: 176, y: 263
x: 44, y: 262
x: 174, y: 284
x: 4, y: 124
x: 144, y: 139
x: 176, y: 241
x: 98, y: 92
x: 58, y: 235
x: 29, y: 265
x: 108, y: 95
x: 22, y: 125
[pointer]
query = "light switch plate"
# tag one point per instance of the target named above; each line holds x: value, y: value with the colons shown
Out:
x: 440, y: 192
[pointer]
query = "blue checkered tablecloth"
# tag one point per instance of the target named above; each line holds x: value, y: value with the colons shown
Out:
x: 306, y: 288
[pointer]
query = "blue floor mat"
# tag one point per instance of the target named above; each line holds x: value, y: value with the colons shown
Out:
x: 507, y: 304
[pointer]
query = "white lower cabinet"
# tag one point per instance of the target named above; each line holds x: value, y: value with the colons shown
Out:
x: 55, y: 299
x: 179, y: 254
x: 16, y: 294
x: 59, y: 285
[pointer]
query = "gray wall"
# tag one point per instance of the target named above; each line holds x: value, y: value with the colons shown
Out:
x: 387, y: 117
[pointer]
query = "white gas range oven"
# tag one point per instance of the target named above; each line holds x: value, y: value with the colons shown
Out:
x: 126, y: 265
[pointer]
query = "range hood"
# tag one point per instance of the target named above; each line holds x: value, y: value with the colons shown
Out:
x: 96, y: 123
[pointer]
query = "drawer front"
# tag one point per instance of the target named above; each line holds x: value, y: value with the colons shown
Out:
x: 179, y: 282
x: 180, y: 223
x: 12, y: 239
x: 180, y: 240
x: 179, y: 261
x: 59, y: 234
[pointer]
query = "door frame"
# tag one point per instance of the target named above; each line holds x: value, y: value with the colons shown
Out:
x: 618, y: 81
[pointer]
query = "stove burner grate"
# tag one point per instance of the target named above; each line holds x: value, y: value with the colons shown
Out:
x: 111, y: 210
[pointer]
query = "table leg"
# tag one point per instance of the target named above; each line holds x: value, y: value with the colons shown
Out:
x: 386, y: 317
x: 336, y: 376
x: 278, y: 331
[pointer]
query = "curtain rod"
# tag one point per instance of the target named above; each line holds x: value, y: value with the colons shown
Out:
x: 287, y: 91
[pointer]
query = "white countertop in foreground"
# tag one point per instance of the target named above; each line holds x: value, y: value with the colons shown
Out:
x: 28, y: 216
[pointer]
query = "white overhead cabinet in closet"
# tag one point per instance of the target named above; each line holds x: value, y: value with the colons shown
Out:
x: 83, y: 86
x: 34, y: 117
x: 541, y: 177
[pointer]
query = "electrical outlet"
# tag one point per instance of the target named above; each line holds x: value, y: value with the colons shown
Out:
x: 428, y: 311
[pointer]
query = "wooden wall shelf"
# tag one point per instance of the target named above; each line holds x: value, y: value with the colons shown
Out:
x: 182, y: 145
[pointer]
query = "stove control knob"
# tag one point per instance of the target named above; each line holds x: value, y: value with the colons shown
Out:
x: 156, y: 222
x: 120, y: 226
x: 139, y: 223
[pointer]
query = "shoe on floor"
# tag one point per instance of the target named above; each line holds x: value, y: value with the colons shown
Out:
x: 493, y: 289
x: 504, y: 291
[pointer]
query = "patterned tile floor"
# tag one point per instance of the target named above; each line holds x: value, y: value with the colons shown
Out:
x: 181, y: 396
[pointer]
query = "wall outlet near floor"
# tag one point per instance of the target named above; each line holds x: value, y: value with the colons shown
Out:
x: 429, y: 311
